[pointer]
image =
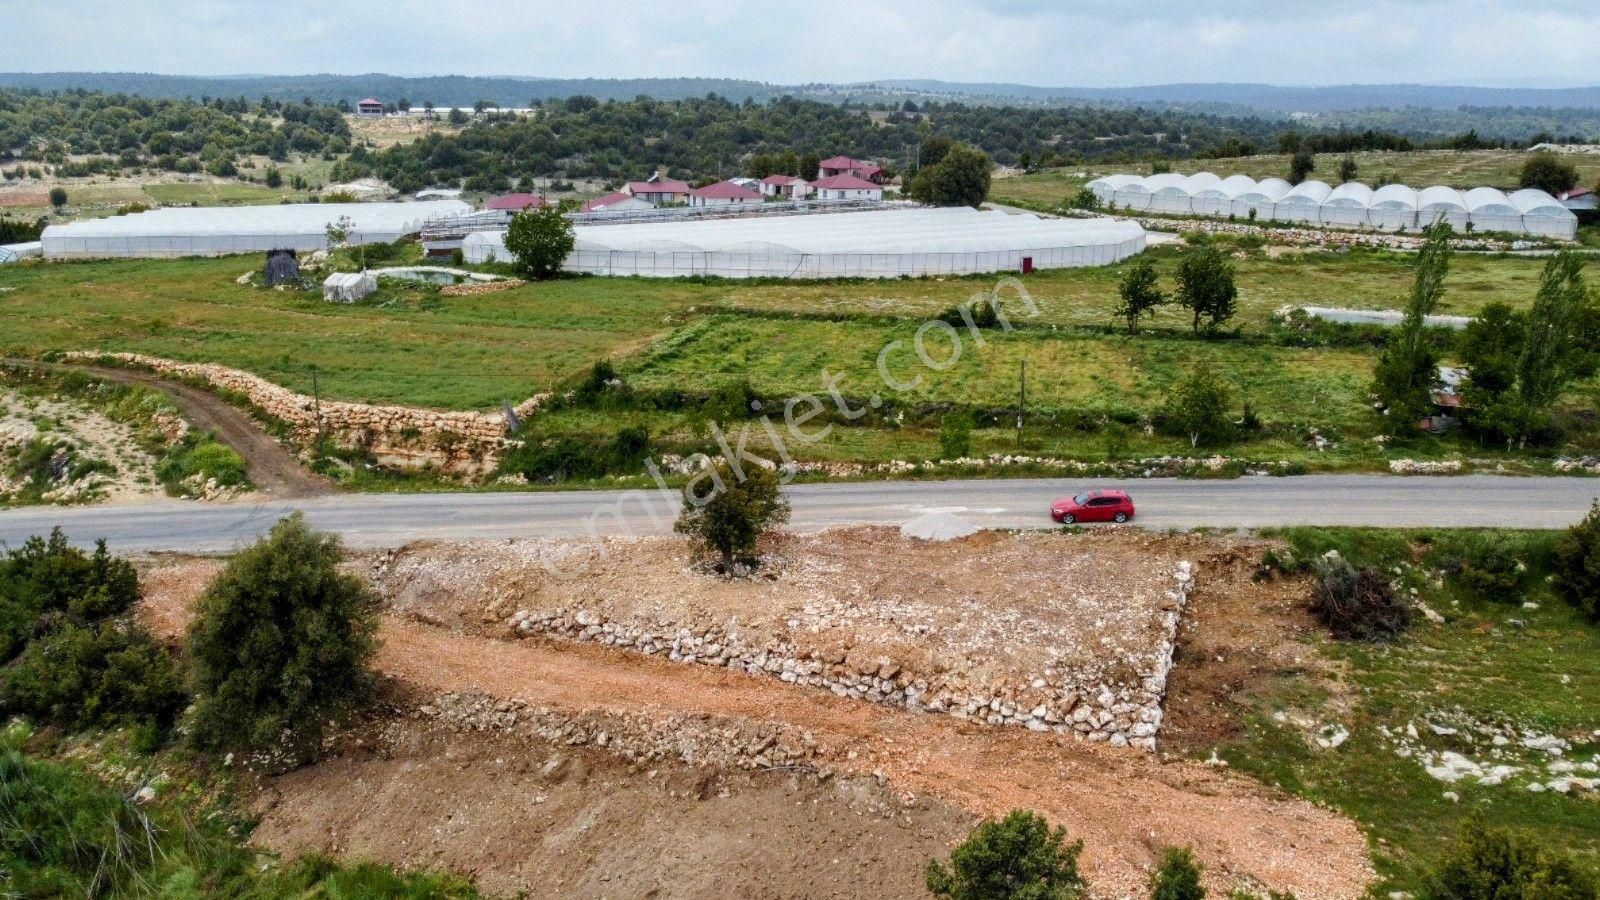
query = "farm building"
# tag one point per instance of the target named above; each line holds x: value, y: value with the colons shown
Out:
x: 843, y: 165
x: 10, y: 253
x: 658, y: 191
x: 621, y: 200
x: 1579, y: 199
x: 1351, y: 205
x: 786, y: 187
x: 846, y: 187
x: 369, y: 108
x: 723, y: 193
x: 220, y: 230
x: 516, y: 202
x: 872, y: 244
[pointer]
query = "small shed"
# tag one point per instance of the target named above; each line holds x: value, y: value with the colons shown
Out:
x: 348, y: 287
x: 282, y: 267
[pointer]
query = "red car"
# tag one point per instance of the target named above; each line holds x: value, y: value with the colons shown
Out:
x: 1093, y: 506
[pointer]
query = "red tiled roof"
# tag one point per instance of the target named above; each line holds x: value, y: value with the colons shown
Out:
x: 516, y: 202
x: 607, y: 200
x: 845, y: 183
x: 369, y: 100
x: 658, y: 187
x: 1574, y: 194
x: 842, y: 162
x: 725, y: 190
x: 782, y: 179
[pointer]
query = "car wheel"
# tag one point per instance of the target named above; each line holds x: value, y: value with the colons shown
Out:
x: 1119, y: 518
x: 1067, y: 519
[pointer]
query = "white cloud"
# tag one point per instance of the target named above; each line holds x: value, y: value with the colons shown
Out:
x: 1087, y: 42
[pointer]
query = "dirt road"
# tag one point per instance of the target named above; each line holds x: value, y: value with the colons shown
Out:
x: 276, y: 472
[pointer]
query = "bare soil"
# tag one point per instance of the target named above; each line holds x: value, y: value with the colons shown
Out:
x: 1126, y: 805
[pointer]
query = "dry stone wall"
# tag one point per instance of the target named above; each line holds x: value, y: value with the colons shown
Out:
x: 466, y: 443
x: 1123, y: 711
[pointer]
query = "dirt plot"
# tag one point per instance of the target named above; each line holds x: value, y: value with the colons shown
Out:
x: 1074, y: 638
x: 523, y: 814
x: 1125, y: 805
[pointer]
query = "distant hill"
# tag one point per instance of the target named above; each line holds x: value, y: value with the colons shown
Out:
x: 459, y: 90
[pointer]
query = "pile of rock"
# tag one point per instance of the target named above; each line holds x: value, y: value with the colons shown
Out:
x: 400, y: 436
x: 1092, y: 705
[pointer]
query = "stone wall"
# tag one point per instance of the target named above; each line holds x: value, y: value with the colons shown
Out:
x: 1123, y: 712
x: 467, y: 443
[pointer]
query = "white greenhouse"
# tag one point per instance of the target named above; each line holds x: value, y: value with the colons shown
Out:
x: 877, y: 244
x: 1392, y: 207
x: 1303, y: 204
x: 220, y: 230
x: 1347, y: 205
x: 1442, y: 204
x: 1261, y: 201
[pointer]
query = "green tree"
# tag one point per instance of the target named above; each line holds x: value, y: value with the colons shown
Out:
x: 1490, y: 348
x: 1139, y: 291
x: 1408, y: 367
x: 540, y: 241
x: 1488, y: 863
x: 933, y: 150
x: 1348, y: 170
x: 1549, y: 173
x: 106, y: 673
x: 955, y: 434
x: 1084, y: 199
x: 1552, y: 357
x: 726, y: 510
x: 1577, y: 569
x: 1177, y: 877
x: 272, y: 178
x: 1198, y: 409
x: 1301, y: 165
x: 960, y: 178
x: 1019, y: 857
x: 1206, y: 287
x: 58, y: 197
x: 279, y: 645
x: 48, y: 581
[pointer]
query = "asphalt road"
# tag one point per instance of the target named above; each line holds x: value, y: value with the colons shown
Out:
x: 377, y: 520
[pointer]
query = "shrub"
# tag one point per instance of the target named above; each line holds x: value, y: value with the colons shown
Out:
x: 58, y: 197
x: 279, y: 644
x: 47, y: 580
x: 203, y: 456
x: 1178, y: 877
x: 1357, y: 604
x: 540, y: 241
x: 1019, y: 856
x: 955, y: 434
x: 1577, y: 564
x: 106, y: 674
x: 727, y: 514
x: 1496, y: 864
x: 1199, y: 409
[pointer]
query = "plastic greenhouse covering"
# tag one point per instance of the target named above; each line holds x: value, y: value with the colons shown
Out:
x: 883, y: 244
x: 220, y: 230
x: 1350, y: 205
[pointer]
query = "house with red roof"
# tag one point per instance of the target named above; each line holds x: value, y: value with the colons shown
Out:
x: 658, y: 191
x: 516, y: 202
x: 723, y: 193
x: 786, y: 187
x: 621, y: 200
x: 370, y: 108
x: 847, y: 187
x: 844, y: 165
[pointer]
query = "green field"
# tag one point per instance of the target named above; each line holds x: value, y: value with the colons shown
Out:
x: 1462, y: 169
x: 1494, y: 663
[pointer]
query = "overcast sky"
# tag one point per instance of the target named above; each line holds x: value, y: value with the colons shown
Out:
x: 1061, y: 43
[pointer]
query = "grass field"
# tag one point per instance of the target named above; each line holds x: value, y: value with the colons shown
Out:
x: 1494, y: 663
x: 1462, y: 169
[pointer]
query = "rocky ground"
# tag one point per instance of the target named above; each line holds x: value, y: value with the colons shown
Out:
x: 83, y: 455
x: 459, y: 781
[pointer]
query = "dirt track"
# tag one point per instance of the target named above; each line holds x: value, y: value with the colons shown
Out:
x: 275, y: 471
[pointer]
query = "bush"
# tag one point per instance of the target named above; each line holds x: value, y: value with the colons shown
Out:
x: 280, y: 644
x: 540, y: 241
x: 564, y: 458
x: 1198, y: 409
x: 1019, y: 856
x: 1357, y: 604
x: 203, y: 457
x: 727, y: 514
x: 955, y: 434
x: 106, y: 674
x: 1577, y: 565
x: 58, y: 197
x: 1496, y: 864
x: 1549, y: 173
x: 46, y: 581
x: 1178, y: 877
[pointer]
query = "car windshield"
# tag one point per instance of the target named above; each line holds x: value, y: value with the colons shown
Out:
x: 1081, y: 499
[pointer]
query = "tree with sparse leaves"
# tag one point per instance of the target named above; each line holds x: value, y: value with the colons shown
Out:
x: 1019, y: 857
x: 1553, y: 354
x: 539, y: 241
x: 1206, y: 287
x: 1348, y: 170
x: 280, y: 644
x: 1139, y: 291
x: 726, y: 510
x: 1408, y: 367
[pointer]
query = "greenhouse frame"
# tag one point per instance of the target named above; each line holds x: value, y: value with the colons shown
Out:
x: 880, y: 244
x: 1392, y: 207
x: 221, y: 230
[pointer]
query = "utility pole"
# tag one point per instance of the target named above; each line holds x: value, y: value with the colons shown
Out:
x: 316, y: 400
x: 1022, y: 400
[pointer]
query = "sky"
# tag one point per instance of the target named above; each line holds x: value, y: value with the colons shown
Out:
x: 1078, y: 43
